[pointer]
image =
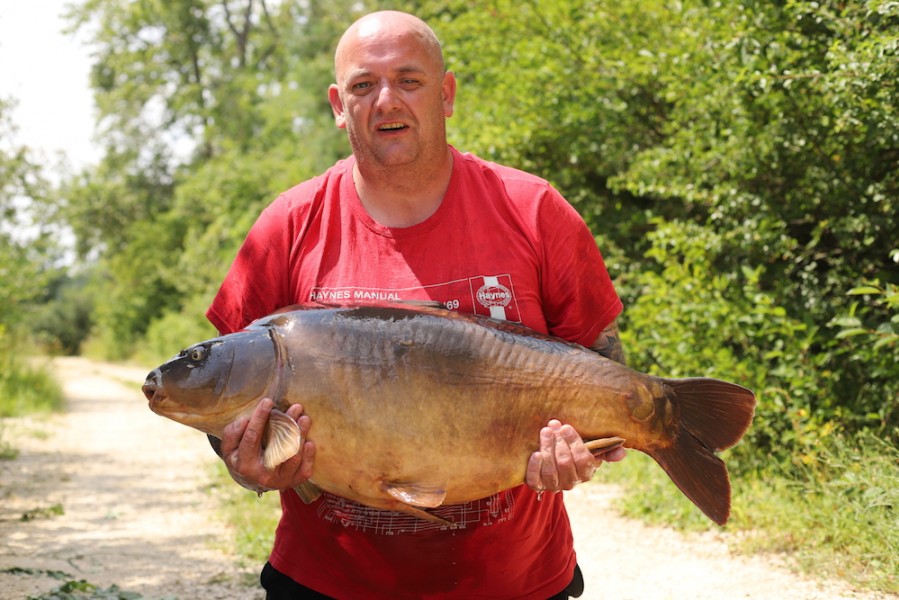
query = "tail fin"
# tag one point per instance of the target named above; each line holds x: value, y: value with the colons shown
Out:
x: 712, y: 415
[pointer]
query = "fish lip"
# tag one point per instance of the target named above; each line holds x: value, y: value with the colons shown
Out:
x: 153, y: 389
x: 154, y: 397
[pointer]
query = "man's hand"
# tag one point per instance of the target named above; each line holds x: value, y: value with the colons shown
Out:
x: 242, y: 452
x: 563, y: 460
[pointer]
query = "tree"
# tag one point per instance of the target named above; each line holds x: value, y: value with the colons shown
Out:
x: 241, y: 85
x: 27, y: 247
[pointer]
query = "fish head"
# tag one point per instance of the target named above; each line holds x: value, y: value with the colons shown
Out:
x: 211, y: 383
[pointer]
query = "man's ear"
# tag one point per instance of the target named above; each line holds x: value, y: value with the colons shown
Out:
x: 337, y: 106
x: 449, y: 93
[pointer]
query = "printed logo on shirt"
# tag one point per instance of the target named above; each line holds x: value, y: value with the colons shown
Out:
x: 495, y: 298
x: 356, y: 295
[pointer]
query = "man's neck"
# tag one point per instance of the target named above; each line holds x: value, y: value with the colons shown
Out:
x: 404, y: 196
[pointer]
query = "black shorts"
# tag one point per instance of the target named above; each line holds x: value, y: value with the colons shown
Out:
x: 279, y: 586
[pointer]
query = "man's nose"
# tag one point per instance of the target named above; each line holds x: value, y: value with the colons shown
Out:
x: 387, y: 98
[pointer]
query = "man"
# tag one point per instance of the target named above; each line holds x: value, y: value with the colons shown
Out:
x: 407, y: 217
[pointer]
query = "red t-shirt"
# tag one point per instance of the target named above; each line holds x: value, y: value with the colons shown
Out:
x: 503, y: 243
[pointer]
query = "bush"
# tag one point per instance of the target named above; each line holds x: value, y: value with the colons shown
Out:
x: 173, y: 332
x: 25, y: 387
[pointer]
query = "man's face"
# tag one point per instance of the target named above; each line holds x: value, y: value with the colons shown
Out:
x: 392, y: 96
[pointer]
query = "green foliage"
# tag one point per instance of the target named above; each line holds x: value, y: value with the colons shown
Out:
x: 690, y: 318
x: 838, y: 518
x: 61, y: 324
x: 869, y: 334
x: 25, y: 387
x: 26, y: 267
x: 81, y: 589
x: 242, y: 87
x: 44, y: 512
x: 27, y: 249
x: 172, y: 332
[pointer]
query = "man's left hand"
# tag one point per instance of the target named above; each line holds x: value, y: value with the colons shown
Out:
x: 563, y: 460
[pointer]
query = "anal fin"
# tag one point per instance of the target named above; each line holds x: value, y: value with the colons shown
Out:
x: 422, y: 495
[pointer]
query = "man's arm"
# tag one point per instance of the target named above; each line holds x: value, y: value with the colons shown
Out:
x: 608, y: 344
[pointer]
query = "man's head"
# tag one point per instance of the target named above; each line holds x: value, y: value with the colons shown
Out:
x: 393, y: 93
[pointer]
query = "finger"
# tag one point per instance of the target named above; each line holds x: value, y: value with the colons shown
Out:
x: 565, y: 465
x: 297, y: 469
x: 305, y: 424
x: 232, y: 434
x: 295, y: 411
x: 308, y: 461
x: 250, y: 447
x: 549, y: 473
x: 532, y: 475
x: 583, y: 461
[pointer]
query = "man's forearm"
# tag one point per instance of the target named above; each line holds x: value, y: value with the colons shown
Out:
x: 609, y: 344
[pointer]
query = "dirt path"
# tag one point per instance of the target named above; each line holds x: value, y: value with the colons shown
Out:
x: 130, y: 485
x: 134, y: 515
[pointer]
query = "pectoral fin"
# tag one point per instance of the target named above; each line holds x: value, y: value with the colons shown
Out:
x: 422, y: 495
x: 281, y: 439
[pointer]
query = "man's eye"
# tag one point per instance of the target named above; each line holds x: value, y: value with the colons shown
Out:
x: 361, y: 85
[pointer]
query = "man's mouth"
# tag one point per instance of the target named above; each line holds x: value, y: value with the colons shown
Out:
x: 391, y: 127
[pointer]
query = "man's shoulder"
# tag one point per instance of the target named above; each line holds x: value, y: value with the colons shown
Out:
x: 314, y: 189
x: 508, y: 175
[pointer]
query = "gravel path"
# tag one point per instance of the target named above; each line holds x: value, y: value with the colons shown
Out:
x: 130, y: 485
x: 134, y: 515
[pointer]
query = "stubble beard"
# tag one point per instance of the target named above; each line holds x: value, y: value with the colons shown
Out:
x: 406, y: 168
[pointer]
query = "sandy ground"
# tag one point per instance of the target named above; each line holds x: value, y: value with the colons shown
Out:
x: 135, y: 515
x: 130, y: 484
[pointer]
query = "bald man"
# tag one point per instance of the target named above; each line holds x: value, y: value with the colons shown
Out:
x: 408, y: 217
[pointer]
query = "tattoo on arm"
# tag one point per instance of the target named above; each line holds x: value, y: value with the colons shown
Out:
x: 609, y: 344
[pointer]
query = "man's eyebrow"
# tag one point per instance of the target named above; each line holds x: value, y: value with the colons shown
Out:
x: 362, y: 73
x: 410, y: 69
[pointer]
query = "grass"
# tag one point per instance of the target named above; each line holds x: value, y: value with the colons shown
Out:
x: 251, y: 519
x: 836, y: 518
x: 26, y: 387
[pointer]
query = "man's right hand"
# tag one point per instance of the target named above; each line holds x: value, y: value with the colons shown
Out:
x: 243, y: 454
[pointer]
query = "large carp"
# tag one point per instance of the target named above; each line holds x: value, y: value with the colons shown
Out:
x: 415, y: 407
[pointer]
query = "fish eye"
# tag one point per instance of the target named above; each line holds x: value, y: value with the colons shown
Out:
x: 197, y: 353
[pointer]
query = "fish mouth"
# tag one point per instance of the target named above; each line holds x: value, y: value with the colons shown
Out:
x: 153, y: 389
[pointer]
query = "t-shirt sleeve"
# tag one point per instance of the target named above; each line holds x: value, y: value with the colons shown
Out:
x: 579, y: 299
x: 256, y: 284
